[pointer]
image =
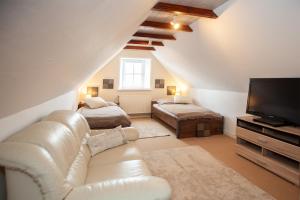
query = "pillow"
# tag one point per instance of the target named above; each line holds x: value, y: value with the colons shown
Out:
x: 183, y: 100
x: 109, y: 138
x: 110, y: 103
x: 165, y: 101
x: 95, y: 102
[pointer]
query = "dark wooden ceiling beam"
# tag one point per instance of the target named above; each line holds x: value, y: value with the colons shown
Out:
x: 155, y: 36
x: 167, y: 26
x: 157, y: 43
x: 141, y: 42
x: 145, y: 42
x: 140, y: 48
x: 184, y: 10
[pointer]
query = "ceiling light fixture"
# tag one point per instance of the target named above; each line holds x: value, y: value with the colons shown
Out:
x: 175, y: 24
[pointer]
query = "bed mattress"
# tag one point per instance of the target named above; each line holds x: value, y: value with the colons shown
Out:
x: 186, y: 111
x: 105, y: 117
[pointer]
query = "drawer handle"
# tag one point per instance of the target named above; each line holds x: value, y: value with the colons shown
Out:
x: 262, y: 140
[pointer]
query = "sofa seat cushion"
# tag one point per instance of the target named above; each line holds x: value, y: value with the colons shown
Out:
x: 120, y: 153
x: 124, y: 169
x: 136, y: 188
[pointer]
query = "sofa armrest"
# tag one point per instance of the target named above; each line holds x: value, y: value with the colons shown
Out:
x: 135, y: 188
x: 131, y: 133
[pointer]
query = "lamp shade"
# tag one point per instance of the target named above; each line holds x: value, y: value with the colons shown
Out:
x: 93, y: 91
x: 171, y: 90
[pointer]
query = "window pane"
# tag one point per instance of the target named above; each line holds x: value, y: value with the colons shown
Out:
x: 138, y: 68
x: 128, y: 68
x: 138, y: 81
x: 128, y: 81
x: 135, y: 73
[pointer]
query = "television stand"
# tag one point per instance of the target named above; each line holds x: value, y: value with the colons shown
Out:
x: 275, y: 148
x: 270, y: 121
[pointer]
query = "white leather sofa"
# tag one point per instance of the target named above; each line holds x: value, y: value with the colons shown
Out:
x: 50, y: 160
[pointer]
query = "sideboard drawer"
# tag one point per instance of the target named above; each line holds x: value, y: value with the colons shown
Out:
x: 281, y: 170
x: 275, y: 145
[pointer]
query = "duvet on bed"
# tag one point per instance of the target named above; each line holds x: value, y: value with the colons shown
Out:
x: 105, y: 117
x: 186, y: 111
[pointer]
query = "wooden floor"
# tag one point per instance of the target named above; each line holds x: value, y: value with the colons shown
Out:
x: 222, y: 148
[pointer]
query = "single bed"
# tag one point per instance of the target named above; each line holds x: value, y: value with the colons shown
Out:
x: 105, y: 117
x: 188, y: 120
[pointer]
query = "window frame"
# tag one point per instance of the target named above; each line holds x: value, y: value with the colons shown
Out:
x: 146, y: 74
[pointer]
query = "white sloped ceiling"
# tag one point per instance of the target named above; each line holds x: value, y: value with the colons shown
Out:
x: 48, y: 47
x: 251, y: 38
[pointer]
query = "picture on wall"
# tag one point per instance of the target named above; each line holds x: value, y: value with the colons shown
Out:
x: 159, y: 83
x: 108, y: 84
x: 171, y: 90
x: 92, y: 91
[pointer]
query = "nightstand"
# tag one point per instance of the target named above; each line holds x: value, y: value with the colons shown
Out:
x: 81, y: 104
x: 152, y: 102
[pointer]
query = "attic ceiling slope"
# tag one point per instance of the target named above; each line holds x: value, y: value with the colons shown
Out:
x: 250, y: 38
x: 168, y: 17
x: 48, y: 47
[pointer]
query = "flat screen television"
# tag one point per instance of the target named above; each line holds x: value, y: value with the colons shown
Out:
x: 275, y: 100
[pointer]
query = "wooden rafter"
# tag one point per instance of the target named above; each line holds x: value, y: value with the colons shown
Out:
x: 140, y: 48
x: 166, y: 26
x: 184, y: 10
x: 156, y: 36
x: 145, y: 42
x: 141, y: 42
x: 157, y: 43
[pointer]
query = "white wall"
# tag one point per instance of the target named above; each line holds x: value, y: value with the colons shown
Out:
x: 49, y: 47
x: 134, y: 101
x: 227, y: 103
x: 18, y: 121
x: 250, y: 38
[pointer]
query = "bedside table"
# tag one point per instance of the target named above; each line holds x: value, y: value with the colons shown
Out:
x: 152, y: 102
x: 81, y: 104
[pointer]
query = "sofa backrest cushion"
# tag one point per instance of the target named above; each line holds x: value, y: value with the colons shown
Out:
x: 54, y: 137
x: 38, y: 164
x: 81, y: 130
x: 73, y: 120
x: 44, y: 151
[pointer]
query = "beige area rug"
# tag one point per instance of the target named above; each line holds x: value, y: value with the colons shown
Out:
x: 195, y: 175
x: 149, y: 128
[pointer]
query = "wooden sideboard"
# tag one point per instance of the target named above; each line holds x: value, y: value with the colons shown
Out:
x: 275, y: 148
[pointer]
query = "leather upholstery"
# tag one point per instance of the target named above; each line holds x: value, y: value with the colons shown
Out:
x: 73, y: 120
x: 114, y: 155
x: 78, y: 170
x: 50, y: 160
x: 17, y: 179
x: 55, y: 138
x: 136, y: 188
x: 125, y: 169
x: 80, y: 129
x: 37, y: 163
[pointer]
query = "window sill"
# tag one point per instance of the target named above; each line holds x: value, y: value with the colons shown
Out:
x: 133, y: 90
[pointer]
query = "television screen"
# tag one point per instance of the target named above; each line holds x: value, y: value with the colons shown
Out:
x: 275, y: 98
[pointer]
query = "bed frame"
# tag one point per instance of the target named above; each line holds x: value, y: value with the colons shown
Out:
x: 190, y: 127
